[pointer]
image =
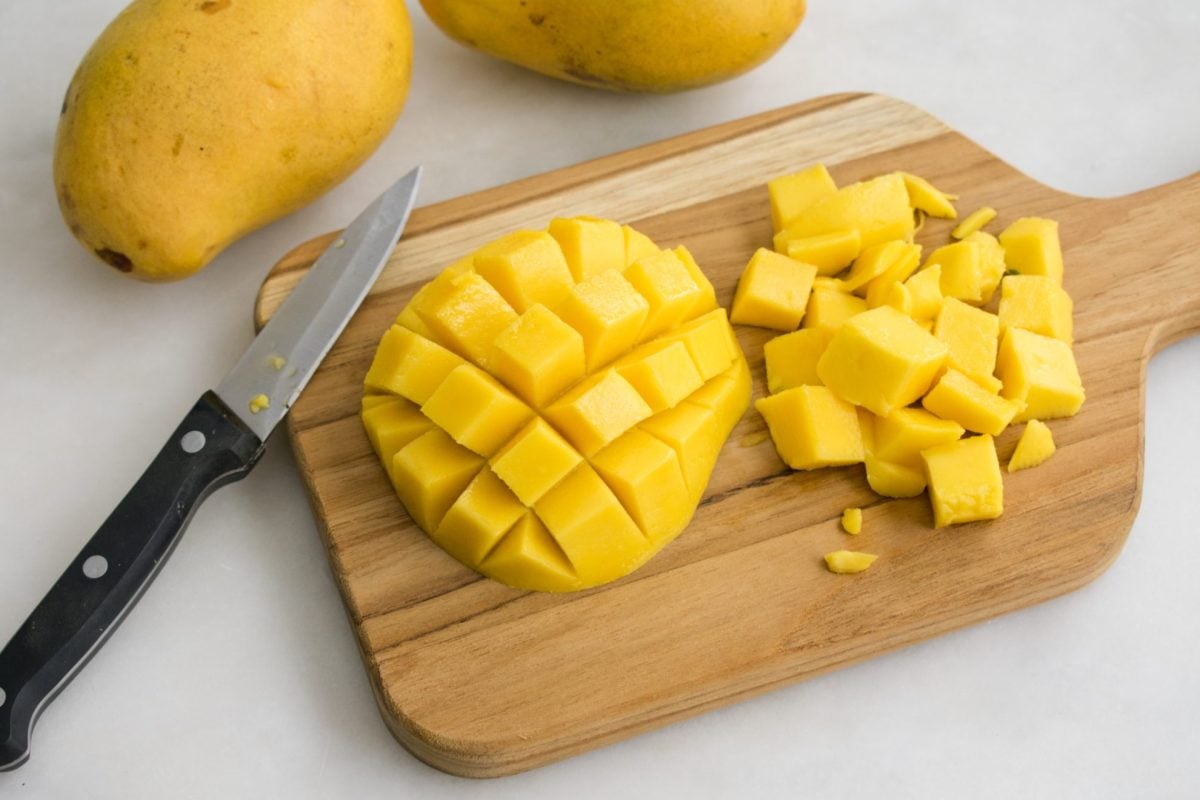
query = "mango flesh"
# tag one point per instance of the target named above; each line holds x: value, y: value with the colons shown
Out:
x: 189, y: 124
x: 558, y: 446
x: 647, y: 46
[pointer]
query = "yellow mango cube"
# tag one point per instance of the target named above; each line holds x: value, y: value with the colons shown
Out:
x: 591, y: 526
x: 852, y: 520
x: 539, y: 356
x: 409, y: 365
x: 608, y: 312
x: 898, y: 297
x: 597, y: 411
x: 812, y: 427
x: 902, y: 435
x: 956, y: 397
x: 392, y: 425
x: 972, y: 336
x: 637, y: 245
x: 645, y: 475
x: 476, y: 410
x: 964, y: 481
x: 466, y: 314
x: 669, y: 289
x: 961, y: 276
x: 903, y: 265
x: 1040, y: 373
x: 973, y: 222
x: 890, y: 479
x: 1038, y: 304
x: 924, y: 196
x: 429, y: 473
x: 828, y: 309
x: 709, y: 341
x: 478, y: 519
x: 529, y: 558
x: 590, y: 245
x: 991, y: 263
x: 881, y: 360
x: 534, y: 461
x: 772, y: 292
x: 830, y: 253
x: 792, y: 194
x: 792, y: 358
x: 1031, y: 247
x: 525, y: 267
x: 874, y: 262
x: 662, y: 372
x: 689, y: 429
x: 878, y: 209
x: 706, y: 300
x: 1035, y: 446
x: 848, y: 562
x: 925, y: 289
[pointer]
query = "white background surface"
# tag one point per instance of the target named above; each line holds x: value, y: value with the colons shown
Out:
x: 237, y: 675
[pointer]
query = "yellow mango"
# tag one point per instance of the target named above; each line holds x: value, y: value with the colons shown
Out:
x: 852, y: 521
x: 924, y: 196
x: 1031, y: 247
x: 830, y: 253
x: 874, y: 262
x: 661, y: 46
x: 973, y: 222
x: 878, y: 209
x: 925, y: 289
x: 972, y: 336
x: 957, y: 397
x: 1038, y: 304
x: 579, y: 441
x: 903, y: 434
x: 1040, y: 373
x: 828, y: 308
x: 964, y: 481
x: 848, y: 562
x: 791, y: 359
x: 881, y: 360
x: 792, y: 194
x: 961, y: 270
x: 902, y: 267
x: 890, y: 478
x: 772, y: 292
x: 1035, y: 446
x: 187, y: 125
x: 991, y: 263
x: 812, y: 427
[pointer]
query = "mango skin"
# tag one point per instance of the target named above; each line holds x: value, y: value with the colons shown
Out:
x: 624, y: 45
x: 190, y: 123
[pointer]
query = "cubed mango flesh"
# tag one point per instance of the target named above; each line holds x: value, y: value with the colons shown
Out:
x: 964, y: 481
x: 772, y: 292
x: 812, y: 427
x: 526, y: 267
x: 878, y: 209
x: 608, y: 312
x: 1031, y: 247
x: 1035, y: 446
x: 959, y: 398
x: 1040, y: 374
x: 829, y: 308
x: 924, y: 196
x: 590, y: 245
x: 830, y: 253
x: 409, y: 365
x: 991, y: 263
x: 465, y: 314
x: 925, y: 289
x: 793, y: 194
x: 1036, y: 303
x: 539, y: 356
x: 961, y: 270
x: 972, y: 336
x: 671, y: 292
x: 791, y: 359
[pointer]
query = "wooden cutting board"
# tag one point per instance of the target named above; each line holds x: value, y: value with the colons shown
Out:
x: 481, y: 680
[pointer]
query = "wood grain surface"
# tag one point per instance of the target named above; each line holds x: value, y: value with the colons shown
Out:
x: 482, y: 680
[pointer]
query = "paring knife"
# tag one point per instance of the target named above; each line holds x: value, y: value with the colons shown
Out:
x: 218, y: 442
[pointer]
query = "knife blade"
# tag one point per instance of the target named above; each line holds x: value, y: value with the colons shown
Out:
x: 218, y: 442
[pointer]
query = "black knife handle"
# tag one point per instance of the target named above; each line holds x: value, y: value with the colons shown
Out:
x: 209, y: 449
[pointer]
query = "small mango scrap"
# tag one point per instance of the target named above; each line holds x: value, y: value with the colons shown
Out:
x: 852, y: 520
x: 549, y: 409
x: 848, y: 562
x: 916, y: 356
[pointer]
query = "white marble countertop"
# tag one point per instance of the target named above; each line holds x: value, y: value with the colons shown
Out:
x: 237, y: 675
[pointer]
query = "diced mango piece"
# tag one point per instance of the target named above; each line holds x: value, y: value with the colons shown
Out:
x: 957, y: 397
x: 707, y: 299
x: 991, y: 263
x: 812, y: 427
x: 925, y: 288
x: 960, y: 265
x: 830, y: 308
x: 772, y: 292
x: 526, y: 267
x: 973, y: 222
x: 1036, y: 303
x: 972, y: 336
x: 874, y: 262
x: 590, y: 245
x: 669, y: 289
x: 696, y: 435
x: 591, y: 526
x: 898, y: 297
x: 881, y: 360
x: 663, y: 373
x: 597, y: 411
x: 1035, y: 446
x: 1031, y: 247
x: 608, y: 312
x: 902, y: 435
x: 637, y: 245
x: 852, y: 521
x: 429, y: 473
x: 539, y: 356
x: 476, y: 409
x: 792, y: 358
x: 1039, y: 372
x: 791, y: 195
x: 903, y: 265
x: 964, y: 481
x: 409, y: 365
x: 392, y: 425
x: 894, y: 480
x: 924, y: 196
x: 529, y: 558
x: 645, y: 475
x: 878, y: 209
x: 534, y: 461
x: 830, y: 253
x: 848, y: 562
x: 727, y: 394
x: 478, y: 519
x: 709, y: 341
x: 466, y: 314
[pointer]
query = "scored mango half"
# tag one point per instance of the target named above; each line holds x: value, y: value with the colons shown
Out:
x: 550, y: 408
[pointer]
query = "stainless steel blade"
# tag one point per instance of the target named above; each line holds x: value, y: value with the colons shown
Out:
x: 286, y: 352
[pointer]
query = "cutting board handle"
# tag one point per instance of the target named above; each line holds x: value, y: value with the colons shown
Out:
x: 1158, y: 229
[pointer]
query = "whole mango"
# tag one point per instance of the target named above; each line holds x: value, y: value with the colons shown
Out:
x: 190, y: 123
x: 624, y: 45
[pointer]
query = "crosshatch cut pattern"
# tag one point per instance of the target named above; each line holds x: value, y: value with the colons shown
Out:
x: 482, y: 679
